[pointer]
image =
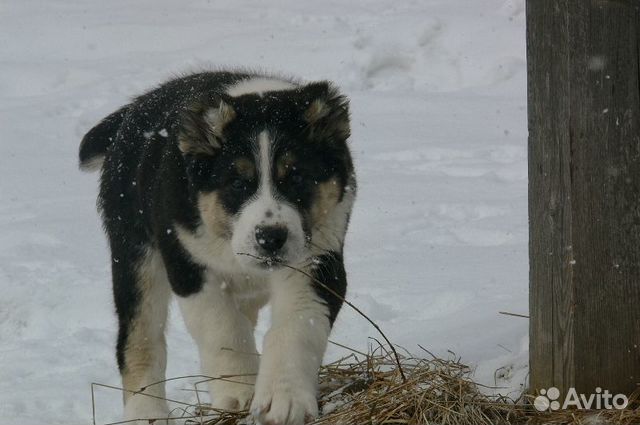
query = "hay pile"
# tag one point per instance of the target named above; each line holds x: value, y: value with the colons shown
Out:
x: 363, y: 388
x: 386, y: 388
x: 369, y: 389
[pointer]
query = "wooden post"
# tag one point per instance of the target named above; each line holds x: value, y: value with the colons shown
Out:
x: 584, y: 194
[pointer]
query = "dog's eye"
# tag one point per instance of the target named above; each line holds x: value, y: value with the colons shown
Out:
x: 238, y: 184
x: 296, y: 179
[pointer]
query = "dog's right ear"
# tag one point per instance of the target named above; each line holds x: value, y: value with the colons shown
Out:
x: 202, y: 127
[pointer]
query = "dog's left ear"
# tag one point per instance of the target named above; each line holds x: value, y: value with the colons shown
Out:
x: 202, y: 127
x: 326, y: 111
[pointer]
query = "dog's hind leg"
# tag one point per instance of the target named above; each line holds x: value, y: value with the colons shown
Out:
x: 142, y: 292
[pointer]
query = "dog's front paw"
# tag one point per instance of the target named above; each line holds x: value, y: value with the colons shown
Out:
x: 141, y: 409
x: 283, y: 404
x: 233, y: 402
x: 232, y: 396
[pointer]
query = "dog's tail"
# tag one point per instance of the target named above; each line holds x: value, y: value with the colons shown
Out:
x: 93, y: 147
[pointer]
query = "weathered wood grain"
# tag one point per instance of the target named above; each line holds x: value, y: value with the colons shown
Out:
x: 584, y: 193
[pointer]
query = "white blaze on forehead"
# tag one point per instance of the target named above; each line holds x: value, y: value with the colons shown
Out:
x: 264, y: 161
x: 258, y: 86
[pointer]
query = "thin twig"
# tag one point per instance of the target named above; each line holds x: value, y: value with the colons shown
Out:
x: 113, y: 387
x: 347, y: 348
x: 506, y: 313
x: 93, y: 405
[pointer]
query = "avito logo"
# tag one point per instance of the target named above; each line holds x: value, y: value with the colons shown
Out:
x: 549, y: 399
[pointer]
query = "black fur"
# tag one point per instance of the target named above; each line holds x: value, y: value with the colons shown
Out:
x: 329, y: 273
x: 98, y: 139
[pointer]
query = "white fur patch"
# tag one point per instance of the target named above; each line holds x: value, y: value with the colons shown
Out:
x: 265, y: 160
x: 145, y: 408
x: 208, y: 249
x: 93, y: 164
x: 259, y: 86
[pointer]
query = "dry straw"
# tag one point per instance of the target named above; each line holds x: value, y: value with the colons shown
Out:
x: 367, y: 389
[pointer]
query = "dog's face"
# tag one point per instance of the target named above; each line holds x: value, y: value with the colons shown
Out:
x: 267, y: 169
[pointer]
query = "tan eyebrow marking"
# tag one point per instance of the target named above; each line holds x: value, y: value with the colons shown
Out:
x: 214, y: 215
x: 284, y: 165
x: 245, y: 167
x: 327, y: 196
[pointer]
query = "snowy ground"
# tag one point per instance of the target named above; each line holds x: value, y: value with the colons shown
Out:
x: 438, y: 242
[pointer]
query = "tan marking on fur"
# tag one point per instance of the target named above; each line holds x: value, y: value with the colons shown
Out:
x: 245, y: 168
x: 329, y: 235
x: 219, y: 117
x: 338, y: 127
x: 213, y: 215
x: 342, y: 128
x: 316, y: 111
x: 187, y: 146
x: 214, y: 122
x: 326, y: 198
x: 145, y: 352
x: 284, y: 165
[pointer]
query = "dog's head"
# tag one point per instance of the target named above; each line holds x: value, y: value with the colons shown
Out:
x: 269, y: 168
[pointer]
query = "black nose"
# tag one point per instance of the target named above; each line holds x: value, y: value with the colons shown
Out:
x: 271, y: 238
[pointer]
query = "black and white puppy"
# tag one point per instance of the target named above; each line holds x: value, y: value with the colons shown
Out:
x: 210, y: 183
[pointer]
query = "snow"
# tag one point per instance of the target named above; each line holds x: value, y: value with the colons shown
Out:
x: 438, y: 240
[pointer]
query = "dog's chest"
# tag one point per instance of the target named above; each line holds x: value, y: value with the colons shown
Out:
x: 244, y: 288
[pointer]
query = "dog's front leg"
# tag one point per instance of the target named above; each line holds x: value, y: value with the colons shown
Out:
x: 292, y: 352
x: 224, y: 336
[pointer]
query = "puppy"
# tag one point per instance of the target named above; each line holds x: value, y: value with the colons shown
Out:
x: 229, y: 190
